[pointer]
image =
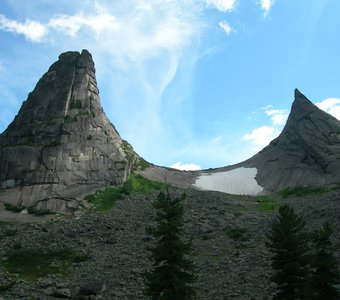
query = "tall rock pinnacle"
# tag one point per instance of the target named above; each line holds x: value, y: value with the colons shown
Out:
x: 61, y: 143
x: 306, y: 153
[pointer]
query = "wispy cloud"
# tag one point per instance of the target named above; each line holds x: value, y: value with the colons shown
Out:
x: 278, y: 116
x: 222, y: 5
x: 32, y: 30
x: 100, y: 21
x: 185, y: 166
x: 226, y: 27
x: 331, y: 106
x: 266, y: 5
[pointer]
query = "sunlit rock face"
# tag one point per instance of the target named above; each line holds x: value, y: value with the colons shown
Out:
x: 306, y: 153
x: 61, y: 143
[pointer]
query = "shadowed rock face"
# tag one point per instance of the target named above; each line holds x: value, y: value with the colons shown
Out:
x: 306, y: 153
x: 61, y: 143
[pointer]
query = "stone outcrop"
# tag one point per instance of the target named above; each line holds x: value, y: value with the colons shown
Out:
x: 306, y: 153
x: 61, y: 144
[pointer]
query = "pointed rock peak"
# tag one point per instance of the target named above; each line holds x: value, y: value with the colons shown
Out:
x: 301, y: 106
x: 300, y: 98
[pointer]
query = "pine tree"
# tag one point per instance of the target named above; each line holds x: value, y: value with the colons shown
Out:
x: 173, y: 273
x: 325, y: 266
x: 289, y: 244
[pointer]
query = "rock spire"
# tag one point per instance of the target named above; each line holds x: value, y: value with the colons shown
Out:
x: 61, y: 144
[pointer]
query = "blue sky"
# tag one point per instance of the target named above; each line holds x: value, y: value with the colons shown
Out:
x: 189, y: 83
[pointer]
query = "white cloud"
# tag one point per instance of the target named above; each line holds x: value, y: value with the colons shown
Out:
x: 266, y: 5
x: 331, y: 106
x: 32, y: 30
x: 278, y: 116
x: 71, y: 24
x: 185, y: 167
x: 226, y: 27
x: 261, y: 136
x: 222, y: 5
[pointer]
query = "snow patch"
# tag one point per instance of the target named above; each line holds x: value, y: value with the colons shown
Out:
x: 240, y: 181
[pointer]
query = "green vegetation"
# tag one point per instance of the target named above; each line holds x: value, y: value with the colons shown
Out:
x: 305, y: 263
x: 132, y: 157
x: 140, y: 185
x: 143, y: 164
x: 128, y: 150
x: 34, y: 263
x: 325, y: 275
x: 32, y: 209
x: 69, y: 119
x: 104, y: 199
x: 303, y: 191
x: 288, y: 242
x: 238, y: 234
x: 76, y: 104
x: 172, y: 273
x: 38, y: 212
x: 267, y: 203
x: 14, y: 208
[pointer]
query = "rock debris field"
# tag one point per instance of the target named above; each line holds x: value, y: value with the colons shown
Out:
x: 228, y: 246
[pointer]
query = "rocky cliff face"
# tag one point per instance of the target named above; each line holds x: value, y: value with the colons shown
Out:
x: 61, y: 143
x: 306, y: 153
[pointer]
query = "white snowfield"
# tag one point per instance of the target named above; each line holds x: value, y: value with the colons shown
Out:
x: 240, y: 181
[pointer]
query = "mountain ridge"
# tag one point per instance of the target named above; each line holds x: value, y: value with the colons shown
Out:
x: 61, y: 146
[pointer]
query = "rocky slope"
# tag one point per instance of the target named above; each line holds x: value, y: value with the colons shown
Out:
x: 228, y: 246
x: 61, y: 144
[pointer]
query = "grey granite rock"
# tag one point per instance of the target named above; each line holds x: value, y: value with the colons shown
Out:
x: 306, y: 153
x: 61, y: 144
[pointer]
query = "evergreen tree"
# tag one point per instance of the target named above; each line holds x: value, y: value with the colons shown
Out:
x: 289, y: 244
x: 325, y: 266
x: 172, y: 274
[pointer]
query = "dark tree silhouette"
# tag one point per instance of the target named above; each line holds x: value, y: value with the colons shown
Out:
x: 172, y: 274
x: 325, y: 266
x: 289, y: 244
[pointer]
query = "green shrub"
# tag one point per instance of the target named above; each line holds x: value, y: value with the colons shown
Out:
x: 143, y: 164
x: 14, y: 208
x: 76, y: 104
x: 104, y: 199
x: 303, y: 191
x: 140, y: 185
x: 267, y: 203
x: 30, y: 264
x: 38, y: 212
x: 238, y: 234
